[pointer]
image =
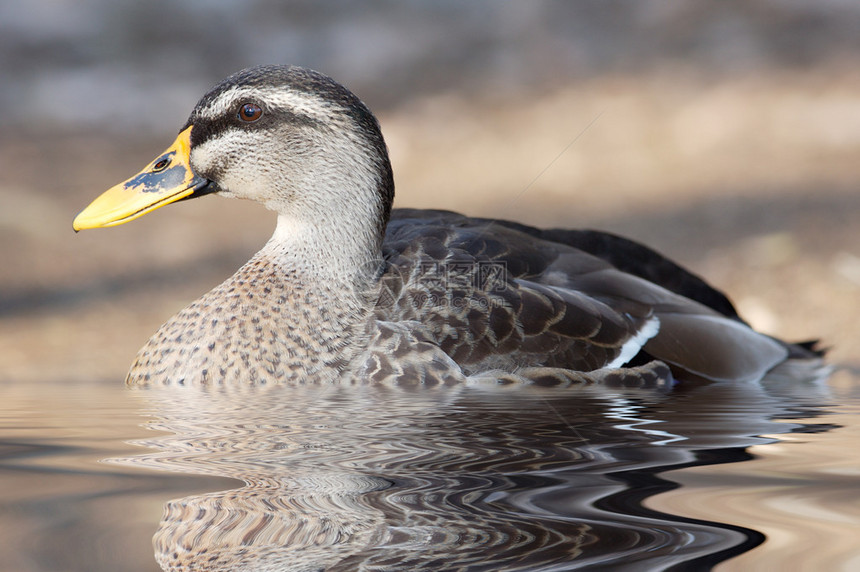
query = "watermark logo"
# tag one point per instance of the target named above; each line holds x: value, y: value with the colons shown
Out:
x: 461, y: 284
x: 471, y: 276
x: 448, y: 284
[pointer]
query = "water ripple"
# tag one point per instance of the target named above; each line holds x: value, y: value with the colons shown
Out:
x: 445, y: 478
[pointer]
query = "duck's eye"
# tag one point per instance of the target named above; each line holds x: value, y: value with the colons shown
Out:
x: 250, y: 112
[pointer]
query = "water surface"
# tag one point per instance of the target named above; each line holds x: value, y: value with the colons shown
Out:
x: 430, y: 478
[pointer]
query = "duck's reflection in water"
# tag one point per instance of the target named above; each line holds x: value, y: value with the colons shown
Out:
x: 445, y: 478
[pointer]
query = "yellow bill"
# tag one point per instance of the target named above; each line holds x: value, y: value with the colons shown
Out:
x: 167, y: 179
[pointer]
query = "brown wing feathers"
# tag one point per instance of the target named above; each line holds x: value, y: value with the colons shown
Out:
x: 507, y: 319
x: 574, y: 299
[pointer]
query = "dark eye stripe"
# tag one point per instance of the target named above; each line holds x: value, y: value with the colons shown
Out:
x: 206, y: 128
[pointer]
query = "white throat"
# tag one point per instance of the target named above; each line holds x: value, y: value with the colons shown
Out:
x: 340, y: 251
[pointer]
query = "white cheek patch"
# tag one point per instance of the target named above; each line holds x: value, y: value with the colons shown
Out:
x: 228, y: 160
x: 206, y: 157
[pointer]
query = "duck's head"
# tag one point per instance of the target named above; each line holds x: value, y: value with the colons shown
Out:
x: 288, y: 137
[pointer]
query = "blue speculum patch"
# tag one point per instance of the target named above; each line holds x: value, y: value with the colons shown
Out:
x: 159, y: 182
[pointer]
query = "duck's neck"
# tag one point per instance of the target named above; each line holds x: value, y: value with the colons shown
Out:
x: 342, y: 253
x: 326, y: 272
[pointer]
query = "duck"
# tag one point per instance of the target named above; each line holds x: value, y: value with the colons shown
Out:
x: 348, y: 289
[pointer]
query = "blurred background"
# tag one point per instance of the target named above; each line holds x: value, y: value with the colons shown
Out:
x: 724, y: 134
